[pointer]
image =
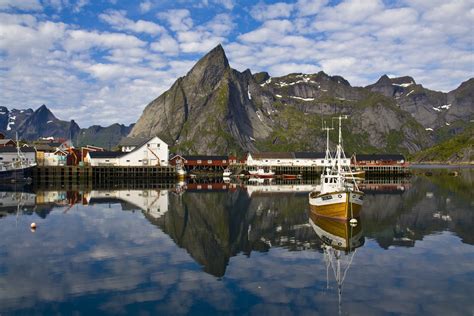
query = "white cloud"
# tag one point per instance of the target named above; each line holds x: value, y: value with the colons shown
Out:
x: 80, y: 40
x: 145, y: 6
x: 79, y: 5
x: 195, y: 39
x: 178, y: 20
x: 27, y: 5
x: 270, y: 31
x: 310, y: 7
x: 262, y: 12
x: 119, y: 21
x: 166, y: 44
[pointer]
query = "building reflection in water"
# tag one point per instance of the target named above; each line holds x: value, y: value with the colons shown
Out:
x: 214, y: 221
x: 340, y: 242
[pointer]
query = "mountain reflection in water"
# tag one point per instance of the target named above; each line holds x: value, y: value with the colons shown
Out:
x: 217, y: 224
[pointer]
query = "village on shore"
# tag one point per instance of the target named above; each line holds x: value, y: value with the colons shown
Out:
x: 153, y: 153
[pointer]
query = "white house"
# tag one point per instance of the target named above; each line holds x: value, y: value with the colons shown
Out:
x: 150, y: 152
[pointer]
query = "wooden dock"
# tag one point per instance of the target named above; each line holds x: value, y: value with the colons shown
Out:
x: 87, y: 174
x: 112, y: 174
x: 62, y: 174
x: 308, y: 172
x: 105, y: 173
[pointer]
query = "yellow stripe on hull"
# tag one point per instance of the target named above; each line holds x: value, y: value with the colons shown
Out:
x: 337, y: 210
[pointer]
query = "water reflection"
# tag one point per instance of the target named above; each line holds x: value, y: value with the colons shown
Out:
x: 340, y: 242
x: 127, y: 249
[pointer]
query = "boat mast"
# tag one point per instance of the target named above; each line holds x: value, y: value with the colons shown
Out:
x: 18, y: 152
x: 327, y: 129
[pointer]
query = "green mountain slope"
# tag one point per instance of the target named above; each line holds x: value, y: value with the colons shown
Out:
x: 458, y: 149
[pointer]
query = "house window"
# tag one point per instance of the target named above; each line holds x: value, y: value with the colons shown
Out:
x: 209, y: 161
x: 158, y: 145
x: 147, y: 145
x: 106, y: 160
x: 224, y: 161
x: 128, y: 160
x: 199, y: 161
x: 139, y: 160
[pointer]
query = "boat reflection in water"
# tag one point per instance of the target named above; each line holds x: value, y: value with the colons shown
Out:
x: 340, y: 242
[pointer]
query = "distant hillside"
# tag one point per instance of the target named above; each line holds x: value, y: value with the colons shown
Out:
x: 33, y: 124
x: 459, y: 149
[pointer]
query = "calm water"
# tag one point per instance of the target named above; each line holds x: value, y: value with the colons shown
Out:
x: 241, y: 250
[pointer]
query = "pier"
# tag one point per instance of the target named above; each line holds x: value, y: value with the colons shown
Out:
x: 102, y: 174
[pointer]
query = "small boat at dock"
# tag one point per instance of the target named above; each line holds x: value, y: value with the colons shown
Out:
x: 291, y: 176
x: 19, y: 170
x: 264, y: 173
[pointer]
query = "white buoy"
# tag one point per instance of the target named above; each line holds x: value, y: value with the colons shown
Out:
x: 353, y: 222
x: 33, y: 226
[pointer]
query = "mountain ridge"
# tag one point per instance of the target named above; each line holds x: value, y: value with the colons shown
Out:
x: 217, y: 109
x: 32, y: 124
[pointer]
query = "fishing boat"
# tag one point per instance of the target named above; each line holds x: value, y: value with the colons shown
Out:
x: 264, y: 173
x: 19, y: 170
x: 339, y: 196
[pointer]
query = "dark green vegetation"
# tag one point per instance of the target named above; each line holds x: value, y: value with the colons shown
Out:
x: 458, y: 149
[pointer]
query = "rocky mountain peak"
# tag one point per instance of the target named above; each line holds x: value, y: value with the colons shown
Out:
x: 43, y: 113
x: 407, y: 80
x: 210, y: 68
x: 384, y: 80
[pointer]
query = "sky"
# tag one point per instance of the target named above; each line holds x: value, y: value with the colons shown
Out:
x: 103, y: 61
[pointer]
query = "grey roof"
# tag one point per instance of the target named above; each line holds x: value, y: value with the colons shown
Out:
x: 203, y: 157
x: 106, y: 154
x: 6, y: 141
x: 273, y: 155
x: 374, y: 157
x: 13, y: 150
x: 134, y: 141
x: 309, y: 155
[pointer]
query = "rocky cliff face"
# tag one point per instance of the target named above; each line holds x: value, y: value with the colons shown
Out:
x: 208, y: 111
x: 216, y: 109
x: 432, y: 109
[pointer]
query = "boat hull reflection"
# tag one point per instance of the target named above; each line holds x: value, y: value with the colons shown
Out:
x: 337, y: 234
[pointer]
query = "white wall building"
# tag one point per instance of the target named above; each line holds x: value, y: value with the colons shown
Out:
x: 151, y: 152
x: 10, y: 154
x: 292, y: 159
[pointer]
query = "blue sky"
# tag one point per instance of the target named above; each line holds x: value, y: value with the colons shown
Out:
x: 102, y: 61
